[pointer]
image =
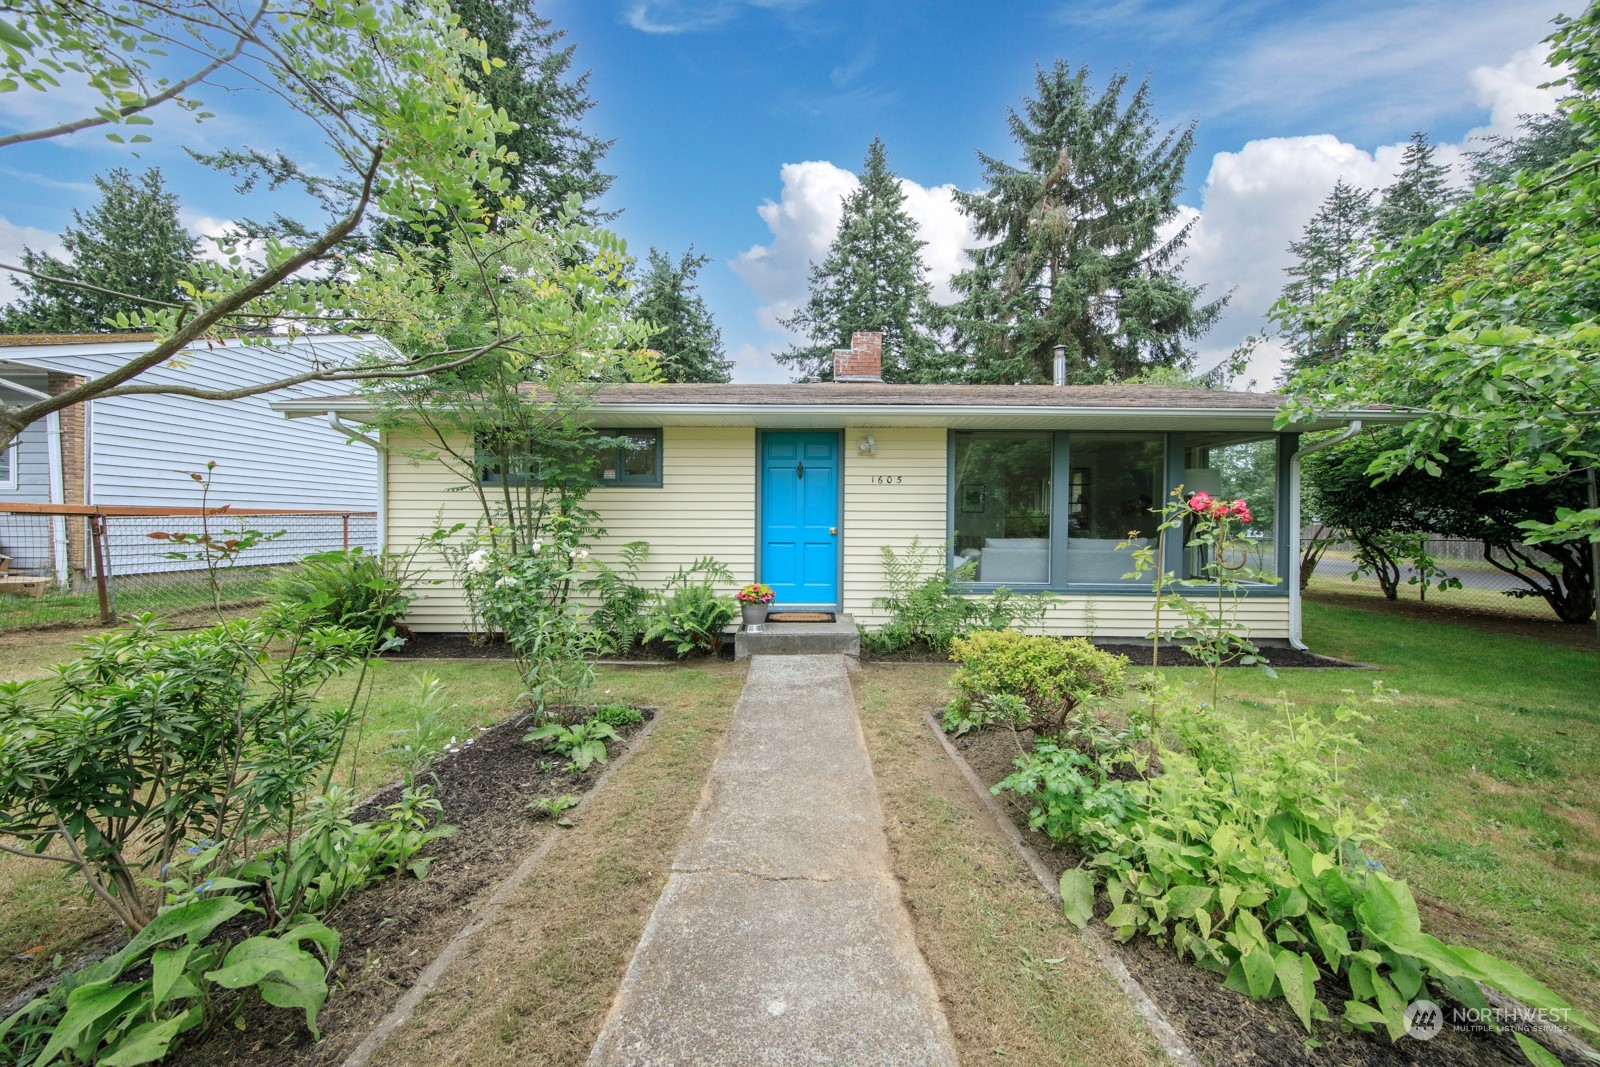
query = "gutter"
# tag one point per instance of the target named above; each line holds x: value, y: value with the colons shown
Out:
x: 353, y: 434
x: 1294, y: 526
x: 58, y: 483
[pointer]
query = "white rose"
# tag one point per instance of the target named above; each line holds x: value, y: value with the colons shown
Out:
x: 581, y: 554
x: 507, y: 580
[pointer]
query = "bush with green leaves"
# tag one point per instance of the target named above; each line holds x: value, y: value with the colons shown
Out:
x: 1051, y: 678
x: 927, y: 606
x: 348, y: 587
x: 150, y: 740
x: 617, y: 716
x: 130, y: 1007
x: 1245, y: 850
x: 688, y: 613
x: 618, y: 621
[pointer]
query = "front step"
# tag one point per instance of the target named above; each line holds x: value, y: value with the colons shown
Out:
x: 798, y: 639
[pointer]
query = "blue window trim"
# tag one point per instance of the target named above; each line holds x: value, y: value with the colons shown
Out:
x: 622, y: 481
x: 1060, y: 505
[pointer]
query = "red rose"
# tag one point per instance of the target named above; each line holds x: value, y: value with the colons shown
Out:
x: 1201, y: 501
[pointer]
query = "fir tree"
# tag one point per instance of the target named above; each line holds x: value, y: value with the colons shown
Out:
x: 1541, y: 142
x: 1418, y: 196
x: 130, y: 242
x: 1075, y: 253
x: 688, y: 340
x: 1332, y: 248
x: 872, y: 279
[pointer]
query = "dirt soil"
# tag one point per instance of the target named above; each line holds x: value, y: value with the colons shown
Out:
x: 1553, y: 630
x: 1138, y: 654
x: 1225, y: 1028
x: 462, y: 646
x: 392, y: 930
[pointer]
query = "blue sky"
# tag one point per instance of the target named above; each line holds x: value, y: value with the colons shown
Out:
x: 736, y: 122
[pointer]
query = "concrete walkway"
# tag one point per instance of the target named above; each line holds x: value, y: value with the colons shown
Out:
x: 781, y: 937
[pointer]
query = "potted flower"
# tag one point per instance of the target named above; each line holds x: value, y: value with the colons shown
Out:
x: 753, y: 600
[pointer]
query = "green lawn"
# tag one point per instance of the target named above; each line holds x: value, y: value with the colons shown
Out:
x: 1490, y: 761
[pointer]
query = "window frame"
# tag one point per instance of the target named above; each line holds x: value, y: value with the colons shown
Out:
x: 1060, y: 511
x: 657, y: 480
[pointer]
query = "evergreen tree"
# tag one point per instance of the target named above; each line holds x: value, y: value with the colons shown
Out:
x: 130, y: 242
x: 1540, y: 143
x: 872, y: 279
x: 1074, y: 251
x: 688, y: 340
x: 555, y: 157
x: 1418, y: 196
x: 1332, y: 247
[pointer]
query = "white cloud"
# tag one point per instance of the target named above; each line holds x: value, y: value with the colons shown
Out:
x: 803, y: 222
x: 12, y: 240
x: 1515, y: 89
x: 690, y: 16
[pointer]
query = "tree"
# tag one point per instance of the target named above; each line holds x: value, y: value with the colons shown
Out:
x: 1495, y: 331
x: 1418, y: 196
x: 1332, y: 248
x: 872, y: 279
x: 383, y: 85
x: 130, y: 242
x: 1390, y: 521
x: 689, y: 343
x: 1076, y: 251
x: 1541, y: 142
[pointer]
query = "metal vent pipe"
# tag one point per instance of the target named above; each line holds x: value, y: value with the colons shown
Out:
x: 1061, y: 365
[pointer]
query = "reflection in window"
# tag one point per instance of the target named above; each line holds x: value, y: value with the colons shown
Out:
x: 1002, y: 506
x: 1114, y: 482
x: 1230, y: 467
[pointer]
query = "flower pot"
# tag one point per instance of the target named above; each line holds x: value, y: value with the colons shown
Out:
x: 754, y: 614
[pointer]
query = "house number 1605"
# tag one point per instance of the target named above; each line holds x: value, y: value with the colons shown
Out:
x: 887, y: 479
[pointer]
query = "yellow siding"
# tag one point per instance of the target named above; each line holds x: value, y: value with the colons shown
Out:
x: 706, y: 506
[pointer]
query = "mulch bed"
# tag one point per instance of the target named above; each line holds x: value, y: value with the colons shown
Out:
x: 1224, y: 1027
x: 392, y: 930
x: 462, y: 646
x: 1138, y: 654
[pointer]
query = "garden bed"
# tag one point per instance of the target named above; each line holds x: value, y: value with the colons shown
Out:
x: 392, y: 930
x: 1138, y: 656
x: 1225, y: 1027
x: 463, y: 646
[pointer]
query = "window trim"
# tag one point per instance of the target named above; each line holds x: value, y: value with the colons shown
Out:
x: 622, y: 481
x: 1060, y: 503
x: 12, y: 454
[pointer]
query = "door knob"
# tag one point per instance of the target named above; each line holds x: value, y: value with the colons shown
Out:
x: 834, y: 530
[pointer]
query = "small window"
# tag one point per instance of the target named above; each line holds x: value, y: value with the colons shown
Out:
x: 632, y: 458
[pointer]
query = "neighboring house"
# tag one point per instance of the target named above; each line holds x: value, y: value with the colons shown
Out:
x: 802, y: 485
x: 139, y: 450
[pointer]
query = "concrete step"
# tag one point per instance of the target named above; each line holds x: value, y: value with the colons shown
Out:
x: 837, y: 638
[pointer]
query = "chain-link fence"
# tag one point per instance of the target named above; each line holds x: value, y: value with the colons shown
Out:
x: 1484, y: 586
x: 74, y: 564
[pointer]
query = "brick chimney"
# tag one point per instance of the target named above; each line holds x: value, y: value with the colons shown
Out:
x: 862, y: 361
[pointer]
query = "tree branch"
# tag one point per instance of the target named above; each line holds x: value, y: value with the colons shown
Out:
x: 91, y: 287
x: 174, y: 90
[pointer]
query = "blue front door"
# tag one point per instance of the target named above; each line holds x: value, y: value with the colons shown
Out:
x: 800, y: 517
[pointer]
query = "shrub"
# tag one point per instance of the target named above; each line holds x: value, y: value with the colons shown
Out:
x: 1247, y: 853
x: 347, y: 587
x: 618, y: 622
x: 688, y: 613
x: 1051, y: 677
x: 926, y: 605
x: 147, y: 741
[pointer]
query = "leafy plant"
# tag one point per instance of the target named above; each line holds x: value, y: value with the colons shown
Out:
x: 147, y: 741
x: 1050, y: 677
x: 618, y: 622
x: 688, y: 613
x: 130, y: 1007
x: 1246, y: 852
x: 552, y: 807
x: 426, y: 739
x: 348, y: 587
x: 584, y: 744
x: 617, y: 716
x: 927, y: 606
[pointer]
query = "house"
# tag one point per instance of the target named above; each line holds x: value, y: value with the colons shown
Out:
x: 802, y: 485
x: 138, y: 450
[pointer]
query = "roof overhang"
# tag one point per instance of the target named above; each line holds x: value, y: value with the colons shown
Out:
x: 950, y: 416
